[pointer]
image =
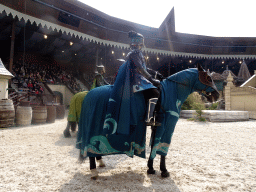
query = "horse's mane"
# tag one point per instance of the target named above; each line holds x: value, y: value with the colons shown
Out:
x: 175, y: 75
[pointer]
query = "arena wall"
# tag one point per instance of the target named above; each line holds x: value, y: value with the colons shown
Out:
x: 67, y: 95
x: 241, y: 98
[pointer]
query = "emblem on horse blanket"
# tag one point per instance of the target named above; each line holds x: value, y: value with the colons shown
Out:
x: 121, y: 108
x: 92, y: 138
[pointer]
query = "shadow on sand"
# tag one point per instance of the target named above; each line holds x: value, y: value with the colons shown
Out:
x: 124, y: 181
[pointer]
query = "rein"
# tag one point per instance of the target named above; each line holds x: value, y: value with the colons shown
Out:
x: 203, y: 92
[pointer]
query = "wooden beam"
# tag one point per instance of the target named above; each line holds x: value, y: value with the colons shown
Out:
x: 12, y: 45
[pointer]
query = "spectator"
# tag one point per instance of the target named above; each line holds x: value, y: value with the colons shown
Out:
x: 30, y: 85
x: 25, y: 85
x: 41, y: 90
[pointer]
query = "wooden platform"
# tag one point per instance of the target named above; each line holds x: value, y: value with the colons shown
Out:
x: 218, y: 115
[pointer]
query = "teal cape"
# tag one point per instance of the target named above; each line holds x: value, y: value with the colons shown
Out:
x: 121, y: 109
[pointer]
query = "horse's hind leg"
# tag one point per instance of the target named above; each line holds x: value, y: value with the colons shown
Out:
x: 66, y: 131
x: 93, y: 169
x: 150, y: 161
x: 164, y: 173
x: 100, y: 161
x: 150, y: 167
x: 73, y: 126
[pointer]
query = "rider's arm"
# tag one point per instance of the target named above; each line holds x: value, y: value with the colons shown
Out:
x: 137, y: 59
x: 105, y: 82
x: 155, y: 74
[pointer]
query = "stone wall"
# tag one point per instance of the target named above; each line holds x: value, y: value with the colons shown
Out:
x: 67, y: 95
x: 3, y: 88
x: 241, y: 98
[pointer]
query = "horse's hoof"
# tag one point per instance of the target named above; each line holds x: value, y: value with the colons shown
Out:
x: 94, y: 178
x: 66, y: 133
x: 95, y: 174
x: 165, y: 174
x: 151, y: 171
x: 101, y: 163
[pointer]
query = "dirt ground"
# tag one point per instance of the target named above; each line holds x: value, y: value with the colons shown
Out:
x: 202, y: 157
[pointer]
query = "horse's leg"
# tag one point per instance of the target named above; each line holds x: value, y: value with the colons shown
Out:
x: 81, y: 157
x: 150, y: 161
x: 150, y: 167
x: 100, y: 161
x: 164, y: 173
x: 66, y: 131
x: 73, y: 126
x: 93, y: 169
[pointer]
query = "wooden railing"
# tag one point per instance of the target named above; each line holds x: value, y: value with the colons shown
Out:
x: 17, y: 96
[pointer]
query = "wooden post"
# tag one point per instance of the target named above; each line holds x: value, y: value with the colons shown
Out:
x: 12, y: 46
x: 97, y: 56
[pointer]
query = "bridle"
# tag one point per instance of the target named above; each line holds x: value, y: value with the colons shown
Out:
x: 203, y: 92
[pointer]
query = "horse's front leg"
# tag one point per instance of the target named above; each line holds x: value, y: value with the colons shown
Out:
x: 164, y: 173
x: 100, y: 161
x: 93, y: 169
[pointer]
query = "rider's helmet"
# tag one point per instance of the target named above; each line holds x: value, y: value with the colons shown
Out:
x: 137, y: 40
x: 100, y: 69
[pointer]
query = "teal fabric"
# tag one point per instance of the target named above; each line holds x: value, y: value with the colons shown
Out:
x: 93, y: 141
x: 219, y: 85
x: 122, y: 103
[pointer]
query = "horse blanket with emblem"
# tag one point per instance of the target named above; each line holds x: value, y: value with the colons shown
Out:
x: 93, y: 140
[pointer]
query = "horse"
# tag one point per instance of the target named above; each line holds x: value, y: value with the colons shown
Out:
x: 92, y: 142
x: 74, y: 112
x: 76, y: 106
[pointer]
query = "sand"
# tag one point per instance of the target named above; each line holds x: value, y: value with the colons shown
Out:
x: 202, y: 157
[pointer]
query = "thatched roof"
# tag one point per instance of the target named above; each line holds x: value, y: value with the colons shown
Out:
x: 244, y: 72
x: 217, y: 76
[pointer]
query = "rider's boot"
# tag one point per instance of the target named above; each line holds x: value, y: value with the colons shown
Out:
x: 150, y: 118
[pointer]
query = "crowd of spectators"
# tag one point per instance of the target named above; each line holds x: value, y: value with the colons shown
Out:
x: 31, y: 77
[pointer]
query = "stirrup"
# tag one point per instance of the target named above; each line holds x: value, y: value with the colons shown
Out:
x: 150, y: 119
x: 152, y: 122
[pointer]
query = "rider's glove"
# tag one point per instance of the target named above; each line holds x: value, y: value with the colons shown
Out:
x: 155, y: 82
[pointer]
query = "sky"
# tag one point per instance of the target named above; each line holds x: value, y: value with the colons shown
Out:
x: 219, y: 18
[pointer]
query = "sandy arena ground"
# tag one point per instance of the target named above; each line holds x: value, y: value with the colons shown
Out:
x: 202, y: 157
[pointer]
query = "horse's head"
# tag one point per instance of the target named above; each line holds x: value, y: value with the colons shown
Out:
x: 208, y: 88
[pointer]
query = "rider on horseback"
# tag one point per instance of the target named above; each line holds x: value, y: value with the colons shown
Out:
x: 99, y: 78
x: 143, y: 81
